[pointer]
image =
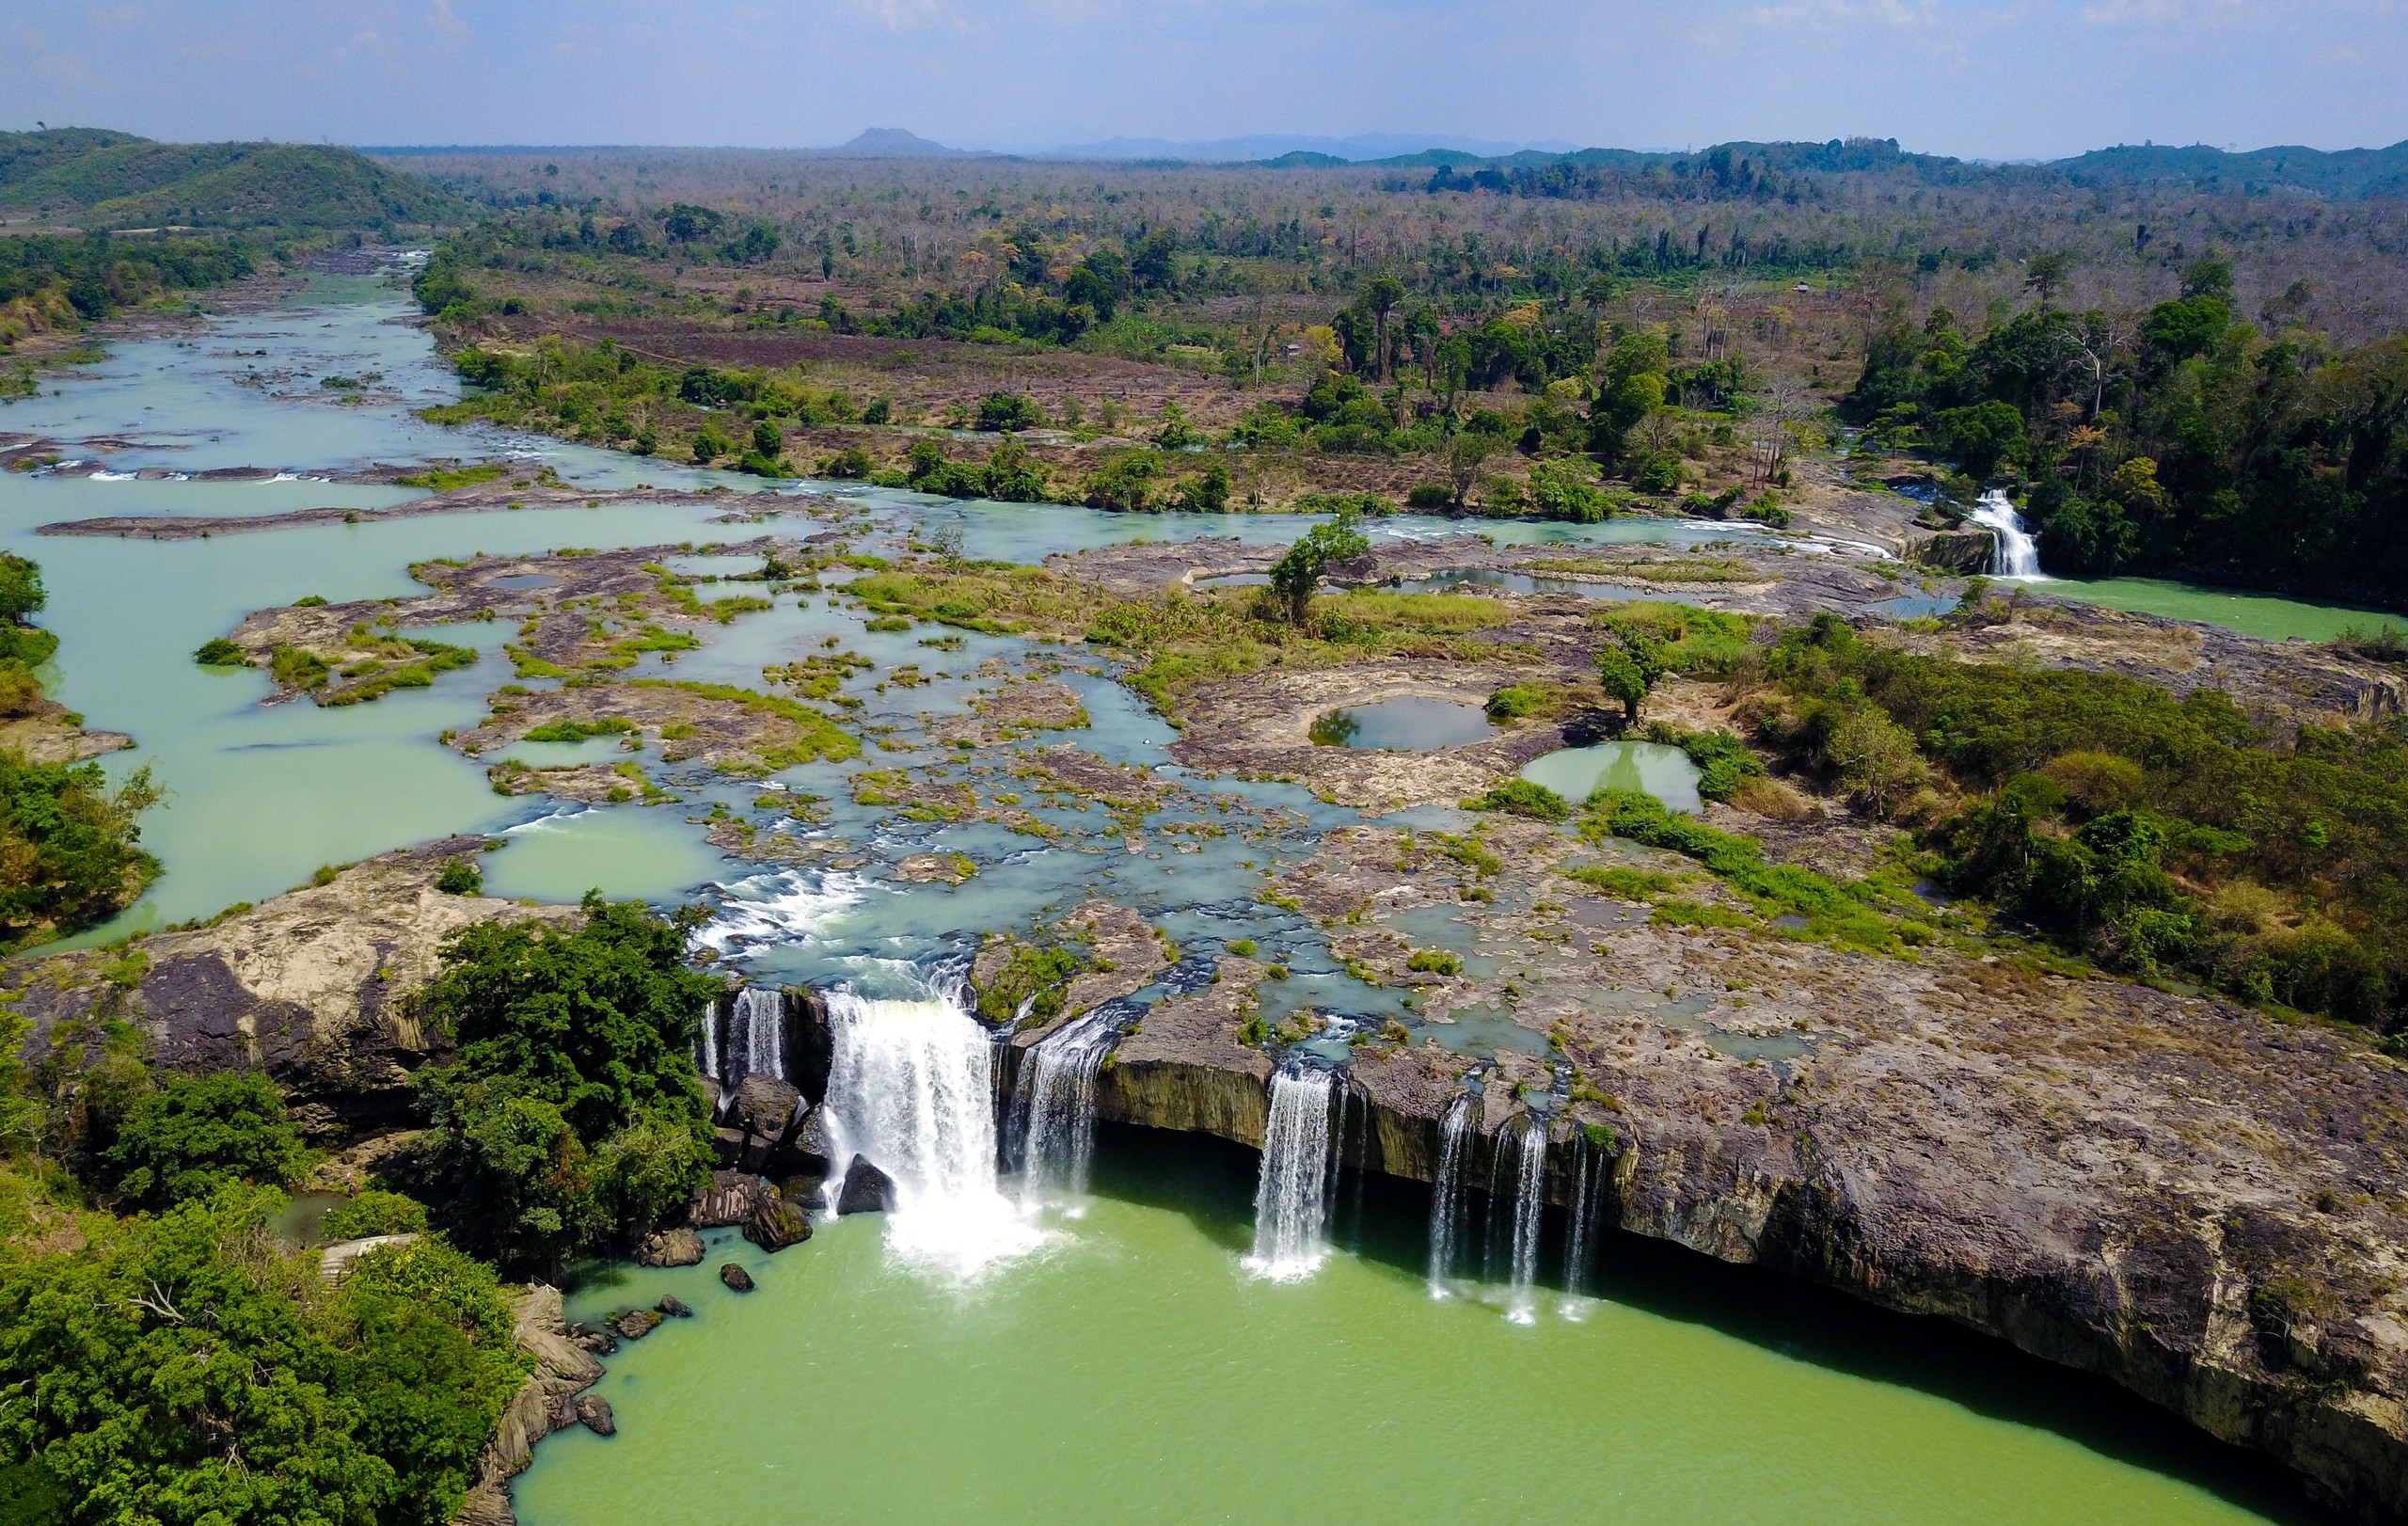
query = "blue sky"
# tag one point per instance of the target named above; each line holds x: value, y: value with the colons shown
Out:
x: 1985, y: 78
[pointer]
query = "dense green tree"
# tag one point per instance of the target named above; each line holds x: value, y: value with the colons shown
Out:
x: 198, y: 1132
x: 190, y: 1369
x: 565, y: 1041
x: 21, y: 595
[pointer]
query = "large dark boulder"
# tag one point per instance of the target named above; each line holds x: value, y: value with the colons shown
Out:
x: 594, y: 1411
x: 736, y: 1278
x: 765, y: 1108
x: 867, y: 1189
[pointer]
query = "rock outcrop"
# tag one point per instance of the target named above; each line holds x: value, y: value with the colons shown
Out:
x: 546, y: 1402
x: 311, y: 987
x: 2189, y: 1197
x: 669, y: 1247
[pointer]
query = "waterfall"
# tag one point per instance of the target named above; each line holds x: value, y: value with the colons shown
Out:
x: 910, y: 1086
x: 1528, y: 1202
x: 1054, y: 1107
x: 2017, y: 556
x: 708, y: 1060
x: 756, y: 1034
x: 1292, y: 1194
x: 1446, y: 1192
x: 1588, y: 1212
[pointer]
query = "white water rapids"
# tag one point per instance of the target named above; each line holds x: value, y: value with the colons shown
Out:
x: 911, y: 1088
x: 2018, y: 557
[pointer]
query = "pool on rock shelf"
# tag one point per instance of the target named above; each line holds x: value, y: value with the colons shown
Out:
x: 1409, y: 724
x: 1131, y: 1369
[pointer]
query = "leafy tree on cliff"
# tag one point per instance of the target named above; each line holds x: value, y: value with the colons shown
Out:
x: 198, y: 1132
x: 573, y: 1096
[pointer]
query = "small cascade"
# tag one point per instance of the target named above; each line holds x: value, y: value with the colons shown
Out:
x: 1588, y: 1212
x: 1530, y: 1202
x: 1292, y: 1198
x: 756, y: 1034
x: 2018, y: 557
x: 1054, y: 1107
x: 911, y: 1087
x: 1446, y: 1192
x: 708, y: 1060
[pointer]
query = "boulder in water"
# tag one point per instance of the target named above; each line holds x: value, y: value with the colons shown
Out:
x: 776, y: 1224
x: 736, y: 1278
x: 597, y: 1338
x: 593, y: 1412
x: 669, y: 1247
x: 810, y: 1145
x: 674, y: 1307
x: 636, y: 1323
x: 867, y: 1189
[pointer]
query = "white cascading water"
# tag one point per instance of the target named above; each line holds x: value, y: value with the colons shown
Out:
x: 1446, y: 1192
x: 1528, y: 1202
x: 1588, y: 1213
x: 911, y: 1088
x: 2018, y: 557
x: 756, y: 1034
x: 1292, y: 1194
x: 708, y: 1061
x: 1054, y: 1109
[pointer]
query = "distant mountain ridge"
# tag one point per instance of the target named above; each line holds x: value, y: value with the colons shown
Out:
x: 100, y: 179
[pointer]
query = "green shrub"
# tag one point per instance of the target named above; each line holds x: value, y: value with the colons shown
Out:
x: 1519, y: 796
x: 217, y: 652
x: 579, y: 730
x: 1515, y: 701
x: 198, y: 1132
x: 373, y: 1211
x: 1435, y: 962
x: 460, y: 878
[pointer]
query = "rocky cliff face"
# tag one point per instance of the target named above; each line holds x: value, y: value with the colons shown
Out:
x: 312, y: 988
x: 2195, y: 1199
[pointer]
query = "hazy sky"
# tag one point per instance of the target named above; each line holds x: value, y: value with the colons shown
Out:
x: 1989, y: 78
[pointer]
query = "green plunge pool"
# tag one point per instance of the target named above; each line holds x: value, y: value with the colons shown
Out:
x: 1130, y: 1370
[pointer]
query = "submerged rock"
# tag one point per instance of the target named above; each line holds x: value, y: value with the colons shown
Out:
x: 736, y: 1278
x: 594, y: 1413
x: 867, y: 1189
x: 776, y: 1224
x: 669, y: 1247
x: 674, y: 1307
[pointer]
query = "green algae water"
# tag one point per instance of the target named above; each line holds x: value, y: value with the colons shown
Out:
x: 1132, y: 1370
x: 2266, y: 617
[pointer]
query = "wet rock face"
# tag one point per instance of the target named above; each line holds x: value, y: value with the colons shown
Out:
x: 735, y: 1278
x: 674, y: 1307
x: 594, y: 1413
x: 669, y: 1247
x: 636, y: 1323
x: 867, y: 1189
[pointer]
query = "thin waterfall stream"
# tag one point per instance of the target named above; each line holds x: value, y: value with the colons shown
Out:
x: 756, y: 1034
x: 1529, y: 1204
x: 1446, y: 1192
x: 1291, y: 1196
x: 1054, y: 1107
